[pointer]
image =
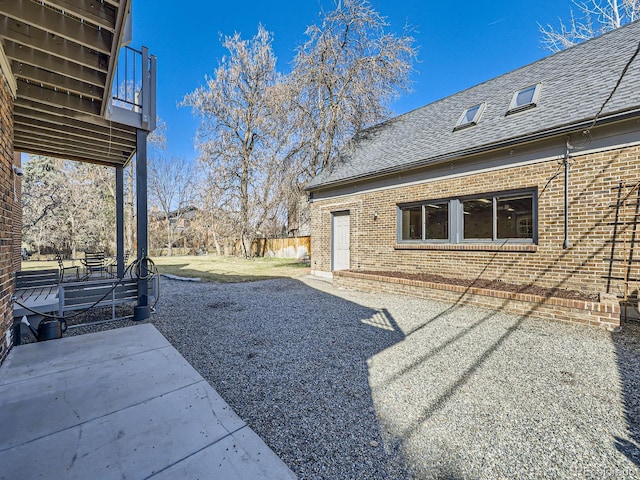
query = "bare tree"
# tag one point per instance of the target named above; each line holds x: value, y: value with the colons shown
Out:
x: 263, y: 135
x: 88, y: 210
x: 215, y: 222
x: 42, y: 198
x: 594, y: 18
x: 345, y: 75
x: 171, y: 184
x: 158, y: 138
x: 238, y: 137
x: 67, y: 205
x: 344, y: 78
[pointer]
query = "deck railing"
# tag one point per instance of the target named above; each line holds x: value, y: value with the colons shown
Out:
x: 127, y: 88
x: 133, y: 99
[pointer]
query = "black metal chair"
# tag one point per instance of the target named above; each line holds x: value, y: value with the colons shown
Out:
x: 63, y: 269
x: 113, y: 264
x: 95, y: 262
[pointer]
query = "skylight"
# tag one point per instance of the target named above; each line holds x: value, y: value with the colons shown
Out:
x: 524, y: 99
x: 470, y: 116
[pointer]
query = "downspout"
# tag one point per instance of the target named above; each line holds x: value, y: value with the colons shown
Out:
x: 565, y: 245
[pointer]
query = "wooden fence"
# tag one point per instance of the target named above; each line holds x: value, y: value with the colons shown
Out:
x: 290, y: 247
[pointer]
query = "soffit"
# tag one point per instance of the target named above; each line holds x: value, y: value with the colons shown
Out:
x: 63, y: 55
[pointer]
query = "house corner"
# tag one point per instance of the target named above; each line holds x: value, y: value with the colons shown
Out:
x: 10, y: 216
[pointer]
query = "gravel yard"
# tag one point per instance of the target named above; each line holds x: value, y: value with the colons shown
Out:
x: 350, y: 385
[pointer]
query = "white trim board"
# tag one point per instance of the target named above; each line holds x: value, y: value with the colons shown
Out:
x: 322, y: 274
x: 5, y: 67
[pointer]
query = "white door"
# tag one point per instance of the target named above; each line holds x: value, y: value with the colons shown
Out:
x: 340, y: 241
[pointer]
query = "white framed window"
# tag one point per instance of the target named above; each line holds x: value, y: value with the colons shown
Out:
x: 525, y: 99
x: 470, y: 117
x: 497, y: 217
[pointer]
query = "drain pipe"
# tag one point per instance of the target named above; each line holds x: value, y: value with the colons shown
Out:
x: 565, y: 245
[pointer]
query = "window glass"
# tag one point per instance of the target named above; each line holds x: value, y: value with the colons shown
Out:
x: 525, y: 97
x: 412, y: 223
x: 515, y: 217
x: 436, y: 221
x: 478, y: 218
x: 491, y: 217
x: 470, y: 114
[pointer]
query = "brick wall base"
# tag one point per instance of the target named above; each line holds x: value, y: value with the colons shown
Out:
x: 604, y: 314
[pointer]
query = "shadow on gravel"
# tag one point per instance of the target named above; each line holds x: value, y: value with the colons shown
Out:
x: 627, y: 343
x: 292, y: 362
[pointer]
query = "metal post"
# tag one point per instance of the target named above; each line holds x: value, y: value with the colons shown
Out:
x: 142, y: 311
x: 146, y: 90
x: 120, y: 220
x: 152, y: 92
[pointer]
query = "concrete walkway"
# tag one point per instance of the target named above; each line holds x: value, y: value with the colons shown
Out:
x: 120, y: 404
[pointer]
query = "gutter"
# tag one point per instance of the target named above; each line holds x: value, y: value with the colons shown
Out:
x: 563, y: 130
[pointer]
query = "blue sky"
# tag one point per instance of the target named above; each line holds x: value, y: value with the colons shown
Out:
x: 460, y: 43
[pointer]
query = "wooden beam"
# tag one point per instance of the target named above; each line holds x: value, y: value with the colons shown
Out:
x: 64, y: 131
x: 32, y: 37
x: 36, y: 75
x: 60, y: 66
x: 28, y: 143
x: 50, y: 131
x: 97, y: 150
x: 25, y: 104
x: 67, y: 155
x: 6, y: 72
x: 55, y: 22
x: 92, y: 11
x: 44, y: 144
x: 56, y: 122
x: 57, y: 99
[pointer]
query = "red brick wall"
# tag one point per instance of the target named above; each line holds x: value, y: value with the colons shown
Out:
x: 584, y: 266
x: 8, y: 207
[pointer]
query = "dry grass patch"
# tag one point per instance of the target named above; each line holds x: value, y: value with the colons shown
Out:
x: 211, y: 268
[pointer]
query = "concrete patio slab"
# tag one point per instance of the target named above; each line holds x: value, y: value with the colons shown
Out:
x: 120, y: 404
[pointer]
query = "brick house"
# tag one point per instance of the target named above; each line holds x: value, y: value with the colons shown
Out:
x: 181, y: 222
x: 58, y: 63
x: 472, y: 187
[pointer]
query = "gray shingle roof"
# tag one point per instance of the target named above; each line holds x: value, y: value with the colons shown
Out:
x: 575, y: 84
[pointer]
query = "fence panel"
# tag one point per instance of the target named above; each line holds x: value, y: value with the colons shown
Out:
x: 288, y: 247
